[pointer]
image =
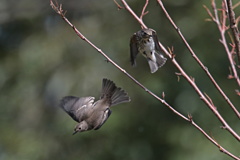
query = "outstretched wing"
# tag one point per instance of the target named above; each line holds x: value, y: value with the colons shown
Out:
x: 133, y: 49
x: 77, y: 108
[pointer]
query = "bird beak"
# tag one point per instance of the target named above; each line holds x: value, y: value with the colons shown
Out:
x: 74, y: 132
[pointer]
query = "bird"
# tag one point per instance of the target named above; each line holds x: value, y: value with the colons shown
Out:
x: 145, y: 42
x: 90, y: 114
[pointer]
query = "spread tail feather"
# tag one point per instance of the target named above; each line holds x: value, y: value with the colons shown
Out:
x: 160, y: 61
x: 113, y: 93
x: 153, y: 66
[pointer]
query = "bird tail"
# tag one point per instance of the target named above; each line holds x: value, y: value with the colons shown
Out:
x: 160, y: 61
x: 113, y: 93
x: 153, y: 65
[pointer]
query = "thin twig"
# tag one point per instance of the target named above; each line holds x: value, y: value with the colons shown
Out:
x: 118, y: 5
x: 221, y: 24
x: 236, y: 5
x: 234, y: 28
x: 143, y: 10
x: 198, y: 60
x: 134, y: 15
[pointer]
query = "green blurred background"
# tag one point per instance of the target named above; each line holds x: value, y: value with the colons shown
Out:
x: 43, y: 60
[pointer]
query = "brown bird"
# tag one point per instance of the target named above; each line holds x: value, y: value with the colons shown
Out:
x: 146, y: 43
x: 92, y: 115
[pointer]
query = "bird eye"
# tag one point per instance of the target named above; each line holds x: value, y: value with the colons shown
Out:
x: 144, y: 34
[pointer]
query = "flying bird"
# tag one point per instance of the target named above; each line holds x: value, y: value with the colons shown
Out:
x: 146, y: 43
x: 92, y: 114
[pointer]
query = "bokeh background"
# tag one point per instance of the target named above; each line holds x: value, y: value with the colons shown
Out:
x: 42, y: 60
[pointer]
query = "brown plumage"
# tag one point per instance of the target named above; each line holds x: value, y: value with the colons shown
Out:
x: 146, y: 43
x: 92, y: 115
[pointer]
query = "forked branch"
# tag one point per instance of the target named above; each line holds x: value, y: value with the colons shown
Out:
x: 222, y: 30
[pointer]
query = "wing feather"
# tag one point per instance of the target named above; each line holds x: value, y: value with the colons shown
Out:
x: 155, y: 38
x: 133, y: 49
x: 77, y: 108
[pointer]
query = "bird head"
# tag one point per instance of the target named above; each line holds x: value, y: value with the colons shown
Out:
x: 145, y: 33
x: 81, y: 127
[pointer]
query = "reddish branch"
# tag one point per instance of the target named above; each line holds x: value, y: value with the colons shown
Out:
x: 198, y: 61
x: 234, y: 28
x: 221, y: 24
x: 143, y: 10
x: 183, y: 73
x: 134, y: 15
x: 118, y: 5
x: 59, y: 10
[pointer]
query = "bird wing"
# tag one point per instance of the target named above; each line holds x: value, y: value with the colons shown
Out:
x: 104, y: 118
x: 161, y: 60
x: 133, y: 49
x: 77, y: 108
x: 155, y: 39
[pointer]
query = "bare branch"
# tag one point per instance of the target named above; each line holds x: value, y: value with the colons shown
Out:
x: 223, y: 150
x: 234, y: 28
x: 202, y: 96
x: 221, y: 24
x: 237, y: 92
x: 143, y: 10
x: 118, y: 5
x: 210, y: 100
x: 133, y: 14
x: 209, y: 13
x: 198, y: 60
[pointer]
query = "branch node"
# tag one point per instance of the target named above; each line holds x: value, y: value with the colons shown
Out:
x: 124, y: 71
x: 237, y: 92
x: 209, y: 13
x: 178, y: 29
x: 106, y: 60
x: 213, y: 107
x: 206, y: 68
x: 230, y: 76
x: 118, y: 5
x: 171, y: 52
x: 178, y: 76
x: 143, y: 10
x: 223, y: 127
x: 99, y: 50
x: 163, y: 95
x: 190, y: 118
x: 221, y: 149
x: 192, y: 78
